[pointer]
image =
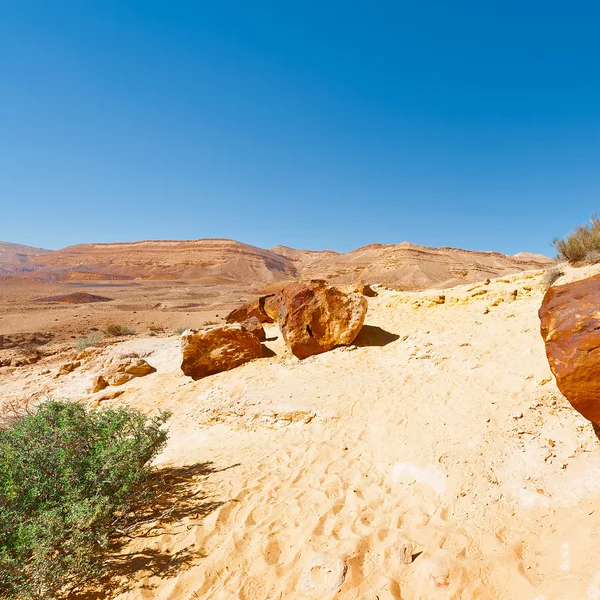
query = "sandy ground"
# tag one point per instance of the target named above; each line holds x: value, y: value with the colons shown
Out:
x: 442, y: 428
x: 139, y: 305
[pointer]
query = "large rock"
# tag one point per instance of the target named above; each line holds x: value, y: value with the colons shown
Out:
x: 209, y: 351
x: 315, y: 317
x: 256, y: 308
x: 570, y: 326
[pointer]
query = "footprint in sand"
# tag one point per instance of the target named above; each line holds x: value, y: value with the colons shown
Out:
x: 323, y: 574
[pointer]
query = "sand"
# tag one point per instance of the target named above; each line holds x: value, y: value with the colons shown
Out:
x: 441, y: 431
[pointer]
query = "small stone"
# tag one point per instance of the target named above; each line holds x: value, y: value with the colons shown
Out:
x: 99, y: 384
x: 517, y: 415
x: 406, y: 553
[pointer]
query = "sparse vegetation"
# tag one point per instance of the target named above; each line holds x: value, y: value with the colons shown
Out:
x: 118, y: 331
x: 582, y: 246
x: 89, y: 341
x: 551, y: 275
x: 180, y: 330
x: 69, y: 477
x: 208, y: 323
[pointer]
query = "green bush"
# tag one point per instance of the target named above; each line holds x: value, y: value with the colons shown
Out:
x: 118, y: 330
x: 582, y: 246
x: 68, y: 477
x: 93, y: 339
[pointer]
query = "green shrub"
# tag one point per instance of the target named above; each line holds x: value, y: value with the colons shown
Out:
x: 582, y: 246
x: 118, y: 330
x: 68, y: 477
x: 87, y: 342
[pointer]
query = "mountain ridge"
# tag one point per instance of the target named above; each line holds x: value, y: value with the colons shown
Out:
x: 221, y: 260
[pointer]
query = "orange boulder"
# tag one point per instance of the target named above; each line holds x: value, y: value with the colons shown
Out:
x: 570, y: 326
x: 209, y: 351
x: 315, y: 317
x: 256, y: 308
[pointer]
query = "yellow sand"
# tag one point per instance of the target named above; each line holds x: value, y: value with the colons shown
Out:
x: 292, y: 476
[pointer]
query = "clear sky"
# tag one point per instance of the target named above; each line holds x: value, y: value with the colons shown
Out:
x: 311, y: 124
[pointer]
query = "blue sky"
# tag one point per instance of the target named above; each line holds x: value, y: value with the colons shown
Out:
x: 311, y: 124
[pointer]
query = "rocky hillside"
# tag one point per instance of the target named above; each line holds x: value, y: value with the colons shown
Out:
x: 405, y: 265
x: 15, y: 258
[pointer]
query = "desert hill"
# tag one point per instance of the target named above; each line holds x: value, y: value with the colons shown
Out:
x: 15, y: 257
x: 406, y: 266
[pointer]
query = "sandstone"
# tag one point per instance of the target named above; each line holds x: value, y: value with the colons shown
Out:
x: 210, y: 351
x: 123, y: 368
x: 256, y: 309
x: 99, y: 384
x: 271, y: 306
x: 570, y: 326
x: 315, y: 317
x: 68, y: 367
x: 253, y: 325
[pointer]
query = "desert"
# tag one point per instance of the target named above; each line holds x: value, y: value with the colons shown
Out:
x: 431, y: 457
x: 299, y: 300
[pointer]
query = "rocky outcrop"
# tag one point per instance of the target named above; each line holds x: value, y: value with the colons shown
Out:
x: 209, y: 351
x: 570, y: 326
x: 315, y: 317
x: 256, y: 309
x: 253, y: 325
x: 123, y: 368
x: 68, y: 367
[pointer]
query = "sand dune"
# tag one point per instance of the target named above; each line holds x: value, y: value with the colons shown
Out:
x: 441, y: 428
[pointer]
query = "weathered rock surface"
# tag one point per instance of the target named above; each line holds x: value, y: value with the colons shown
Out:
x: 68, y: 367
x: 121, y: 369
x: 315, y: 317
x: 256, y: 308
x: 253, y: 325
x: 570, y: 326
x: 210, y: 351
x: 99, y: 383
x: 271, y: 306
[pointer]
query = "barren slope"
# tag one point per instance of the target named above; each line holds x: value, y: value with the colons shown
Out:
x: 408, y: 266
x: 13, y: 257
x: 219, y: 261
x: 212, y: 260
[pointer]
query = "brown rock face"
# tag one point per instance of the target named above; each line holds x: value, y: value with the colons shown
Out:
x: 121, y: 369
x: 315, y: 317
x: 253, y: 325
x: 570, y: 326
x: 210, y: 351
x: 256, y: 308
x: 271, y: 306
